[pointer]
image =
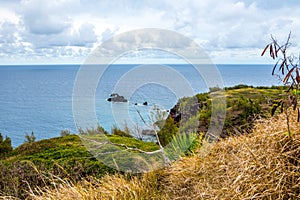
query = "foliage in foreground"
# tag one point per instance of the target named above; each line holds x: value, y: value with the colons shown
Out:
x: 35, y: 164
x: 41, y: 163
x: 262, y: 165
x: 288, y: 67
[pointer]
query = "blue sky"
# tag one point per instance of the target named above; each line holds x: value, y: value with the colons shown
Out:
x: 66, y: 31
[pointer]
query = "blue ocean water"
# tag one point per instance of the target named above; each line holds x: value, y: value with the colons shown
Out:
x: 38, y: 98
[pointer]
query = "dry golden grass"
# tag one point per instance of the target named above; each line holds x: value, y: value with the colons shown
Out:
x: 112, y: 187
x: 263, y: 165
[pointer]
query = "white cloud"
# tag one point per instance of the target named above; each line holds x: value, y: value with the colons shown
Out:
x: 8, y: 15
x: 45, y: 17
x: 231, y: 30
x: 84, y: 36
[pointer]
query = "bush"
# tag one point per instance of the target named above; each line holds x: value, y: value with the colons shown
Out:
x: 34, y: 164
x: 119, y: 132
x: 168, y: 131
x: 5, y: 146
x: 29, y: 138
x: 240, y: 86
x: 65, y: 132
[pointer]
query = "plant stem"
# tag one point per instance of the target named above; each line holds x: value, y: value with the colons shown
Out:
x: 166, y: 159
x: 288, y: 122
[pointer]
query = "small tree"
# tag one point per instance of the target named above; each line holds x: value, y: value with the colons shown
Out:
x: 5, y: 145
x: 288, y: 67
x: 168, y: 131
x: 156, y: 116
x: 29, y: 138
x: 65, y: 132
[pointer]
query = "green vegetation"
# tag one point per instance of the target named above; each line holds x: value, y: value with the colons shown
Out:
x: 5, y: 146
x: 36, y: 163
x: 244, y: 104
x: 168, y: 131
x: 30, y: 138
x: 116, y: 131
x: 46, y: 163
x: 262, y: 165
x: 65, y: 132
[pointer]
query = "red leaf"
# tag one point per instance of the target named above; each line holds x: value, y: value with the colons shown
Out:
x: 295, y: 101
x: 275, y: 67
x: 288, y: 75
x: 276, y: 51
x: 265, y: 49
x: 282, y: 66
x: 271, y: 52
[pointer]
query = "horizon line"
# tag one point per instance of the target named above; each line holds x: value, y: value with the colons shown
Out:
x: 57, y: 64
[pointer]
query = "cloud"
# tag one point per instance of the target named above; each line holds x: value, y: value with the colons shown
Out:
x: 10, y: 41
x: 108, y: 33
x: 231, y: 26
x: 6, y: 29
x: 45, y: 17
x: 223, y: 24
x: 84, y: 36
x: 74, y: 27
x: 273, y: 4
x: 43, y: 30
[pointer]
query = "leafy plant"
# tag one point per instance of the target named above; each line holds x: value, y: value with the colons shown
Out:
x: 116, y: 131
x: 288, y: 67
x: 65, y: 132
x: 30, y: 138
x: 157, y: 116
x: 45, y: 163
x: 5, y: 145
x: 167, y: 132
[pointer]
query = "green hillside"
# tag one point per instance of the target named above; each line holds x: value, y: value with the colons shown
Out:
x: 36, y: 163
x: 45, y: 163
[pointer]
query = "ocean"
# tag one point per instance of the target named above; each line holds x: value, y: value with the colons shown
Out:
x: 38, y: 98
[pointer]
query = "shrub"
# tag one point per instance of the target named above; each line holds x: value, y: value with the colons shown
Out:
x: 65, y: 132
x: 29, y: 138
x: 240, y: 86
x: 288, y: 66
x: 168, y: 131
x: 5, y: 146
x: 119, y: 132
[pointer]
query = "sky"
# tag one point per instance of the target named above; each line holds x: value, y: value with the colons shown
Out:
x: 67, y: 31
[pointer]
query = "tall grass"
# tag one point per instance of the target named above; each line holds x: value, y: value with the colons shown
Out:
x: 262, y: 165
x: 109, y: 187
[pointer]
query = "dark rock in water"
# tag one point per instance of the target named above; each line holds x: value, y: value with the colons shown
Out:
x: 145, y: 103
x: 135, y: 104
x: 114, y: 97
x: 148, y: 132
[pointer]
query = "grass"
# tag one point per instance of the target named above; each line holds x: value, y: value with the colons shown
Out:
x: 262, y: 165
x: 35, y: 164
x: 244, y: 104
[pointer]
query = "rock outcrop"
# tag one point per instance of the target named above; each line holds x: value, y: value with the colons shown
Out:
x: 115, y: 97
